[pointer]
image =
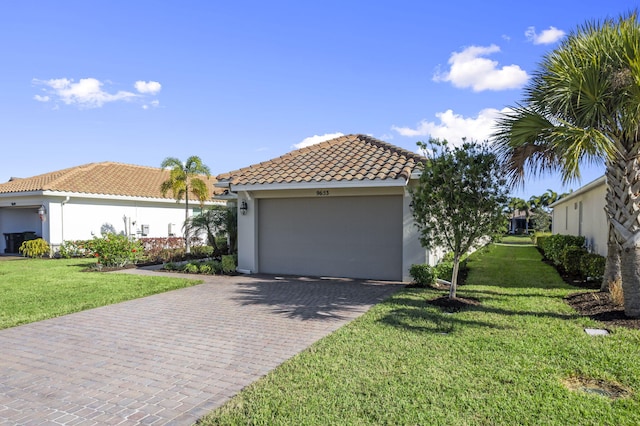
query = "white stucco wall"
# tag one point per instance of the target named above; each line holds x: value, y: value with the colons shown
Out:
x: 80, y: 217
x: 582, y: 213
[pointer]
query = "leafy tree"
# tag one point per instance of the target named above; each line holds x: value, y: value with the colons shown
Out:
x: 185, y: 180
x: 460, y: 198
x: 582, y: 105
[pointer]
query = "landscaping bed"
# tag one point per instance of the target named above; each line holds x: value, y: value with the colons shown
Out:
x: 599, y: 306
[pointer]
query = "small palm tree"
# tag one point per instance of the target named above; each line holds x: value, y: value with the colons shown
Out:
x: 583, y: 105
x: 185, y: 180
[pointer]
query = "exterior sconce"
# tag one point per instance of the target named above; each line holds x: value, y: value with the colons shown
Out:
x: 42, y: 213
x: 243, y: 207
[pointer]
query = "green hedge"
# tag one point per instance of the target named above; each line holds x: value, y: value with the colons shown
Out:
x: 568, y: 252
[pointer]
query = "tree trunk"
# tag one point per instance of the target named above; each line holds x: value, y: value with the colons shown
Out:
x: 630, y: 269
x: 612, y: 266
x: 454, y: 277
x: 187, y: 246
x: 623, y: 194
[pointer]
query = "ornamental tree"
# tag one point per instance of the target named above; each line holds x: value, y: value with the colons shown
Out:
x: 459, y: 199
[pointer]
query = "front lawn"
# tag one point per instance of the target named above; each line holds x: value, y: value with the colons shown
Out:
x: 36, y: 289
x: 509, y: 361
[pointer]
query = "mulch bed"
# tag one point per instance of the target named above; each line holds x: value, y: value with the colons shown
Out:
x: 454, y: 305
x: 598, y: 305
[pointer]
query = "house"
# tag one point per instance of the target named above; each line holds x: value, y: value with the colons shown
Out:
x: 582, y: 213
x: 340, y: 208
x: 85, y: 201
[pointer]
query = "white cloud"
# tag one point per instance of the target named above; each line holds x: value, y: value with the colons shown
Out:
x: 312, y: 140
x: 86, y: 93
x: 90, y: 92
x: 469, y: 68
x: 151, y: 87
x: 453, y: 127
x: 548, y: 36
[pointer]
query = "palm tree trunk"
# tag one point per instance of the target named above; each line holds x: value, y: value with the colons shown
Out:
x: 612, y: 265
x: 623, y: 179
x: 187, y: 246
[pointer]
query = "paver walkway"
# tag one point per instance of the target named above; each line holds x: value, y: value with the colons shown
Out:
x: 172, y: 357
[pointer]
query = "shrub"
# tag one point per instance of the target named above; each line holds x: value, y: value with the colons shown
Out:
x: 163, y: 249
x: 34, y: 248
x: 228, y: 264
x: 191, y: 268
x: 216, y: 266
x: 76, y: 248
x: 592, y: 265
x: 423, y: 274
x: 555, y: 244
x: 116, y: 250
x: 170, y: 266
x: 202, y: 251
x: 571, y: 257
x: 444, y: 269
x: 205, y: 268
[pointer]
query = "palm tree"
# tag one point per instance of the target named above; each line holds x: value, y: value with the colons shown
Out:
x: 185, y: 179
x: 518, y: 205
x: 214, y: 222
x: 583, y: 105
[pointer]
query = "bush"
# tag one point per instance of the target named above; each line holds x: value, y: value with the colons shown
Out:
x: 163, y: 249
x: 444, y: 269
x: 116, y: 250
x: 228, y: 264
x: 423, y: 274
x: 202, y: 251
x: 553, y: 246
x: 539, y: 237
x: 571, y: 257
x: 215, y: 265
x: 34, y: 248
x: 76, y: 248
x: 592, y: 265
x: 191, y: 268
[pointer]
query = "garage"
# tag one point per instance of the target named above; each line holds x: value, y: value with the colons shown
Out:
x: 339, y: 208
x: 352, y: 237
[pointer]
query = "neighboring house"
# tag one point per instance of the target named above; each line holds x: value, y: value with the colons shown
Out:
x: 340, y: 208
x: 582, y: 213
x: 84, y: 201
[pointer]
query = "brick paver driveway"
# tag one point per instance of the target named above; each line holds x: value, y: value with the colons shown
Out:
x: 172, y: 357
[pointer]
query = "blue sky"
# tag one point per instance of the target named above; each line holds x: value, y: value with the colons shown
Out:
x: 242, y: 82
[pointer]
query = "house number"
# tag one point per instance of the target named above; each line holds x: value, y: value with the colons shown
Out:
x: 322, y: 193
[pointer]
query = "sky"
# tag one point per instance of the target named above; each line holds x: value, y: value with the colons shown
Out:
x: 241, y: 82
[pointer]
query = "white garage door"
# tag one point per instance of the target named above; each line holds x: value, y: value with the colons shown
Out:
x: 354, y: 237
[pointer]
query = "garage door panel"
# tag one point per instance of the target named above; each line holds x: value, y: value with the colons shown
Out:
x: 356, y: 237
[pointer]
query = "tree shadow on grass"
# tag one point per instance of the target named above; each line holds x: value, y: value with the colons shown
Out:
x: 418, y: 315
x: 314, y: 298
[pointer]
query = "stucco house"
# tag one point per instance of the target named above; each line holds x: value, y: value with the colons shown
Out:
x: 83, y: 201
x: 340, y: 208
x: 582, y: 213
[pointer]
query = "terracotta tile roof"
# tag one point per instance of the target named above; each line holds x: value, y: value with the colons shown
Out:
x: 346, y: 158
x: 105, y: 178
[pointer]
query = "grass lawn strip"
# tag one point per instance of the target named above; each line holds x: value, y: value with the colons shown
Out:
x: 36, y: 289
x: 505, y: 362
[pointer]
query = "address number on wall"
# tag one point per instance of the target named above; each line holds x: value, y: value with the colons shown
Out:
x: 322, y: 193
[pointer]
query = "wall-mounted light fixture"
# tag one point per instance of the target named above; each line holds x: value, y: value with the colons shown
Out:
x: 244, y: 207
x: 42, y: 213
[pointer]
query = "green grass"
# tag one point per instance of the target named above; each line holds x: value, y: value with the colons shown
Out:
x: 36, y: 289
x: 516, y: 239
x: 502, y: 363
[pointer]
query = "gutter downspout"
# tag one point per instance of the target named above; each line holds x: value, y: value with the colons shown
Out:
x: 65, y: 201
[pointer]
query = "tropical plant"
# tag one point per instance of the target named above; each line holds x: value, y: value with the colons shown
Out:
x: 216, y: 222
x: 582, y: 105
x: 518, y: 205
x: 34, y: 248
x: 185, y: 179
x: 460, y: 198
